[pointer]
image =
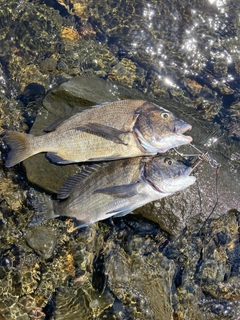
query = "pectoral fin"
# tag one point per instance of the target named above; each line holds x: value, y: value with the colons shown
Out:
x: 123, y: 191
x: 108, y: 132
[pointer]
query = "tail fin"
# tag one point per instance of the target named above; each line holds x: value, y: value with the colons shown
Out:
x: 43, y: 209
x: 20, y: 144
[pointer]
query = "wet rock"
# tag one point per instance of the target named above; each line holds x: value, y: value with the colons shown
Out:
x: 32, y: 92
x: 234, y: 125
x: 235, y: 110
x: 27, y: 303
x: 124, y: 71
x: 74, y: 293
x: 172, y: 39
x: 225, y: 89
x: 82, y: 302
x: 76, y: 8
x: 69, y: 34
x: 172, y: 213
x: 209, y: 258
x: 48, y: 65
x: 62, y: 66
x: 192, y: 86
x: 140, y: 281
x: 11, y: 196
x: 42, y: 240
x: 26, y: 72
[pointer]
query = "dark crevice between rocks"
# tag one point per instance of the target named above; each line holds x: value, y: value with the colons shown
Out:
x: 50, y: 307
x: 99, y: 279
x: 55, y: 5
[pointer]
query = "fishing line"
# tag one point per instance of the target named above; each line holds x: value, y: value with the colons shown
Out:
x: 215, y: 205
x: 204, y: 156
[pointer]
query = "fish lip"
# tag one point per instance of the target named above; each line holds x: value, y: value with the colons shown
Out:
x: 185, y: 171
x: 153, y: 185
x: 180, y: 130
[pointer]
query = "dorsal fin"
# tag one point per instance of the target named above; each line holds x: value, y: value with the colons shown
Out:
x: 70, y: 183
x: 56, y: 123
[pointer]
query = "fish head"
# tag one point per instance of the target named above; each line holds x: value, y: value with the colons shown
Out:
x: 167, y: 175
x: 158, y: 130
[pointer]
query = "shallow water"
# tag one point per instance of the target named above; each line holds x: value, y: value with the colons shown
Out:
x: 128, y: 269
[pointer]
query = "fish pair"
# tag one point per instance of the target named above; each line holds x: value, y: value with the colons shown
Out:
x: 132, y: 129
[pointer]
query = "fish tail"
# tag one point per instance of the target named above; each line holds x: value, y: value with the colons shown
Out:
x: 44, y: 209
x: 20, y: 145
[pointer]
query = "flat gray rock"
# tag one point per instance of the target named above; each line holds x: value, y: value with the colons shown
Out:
x: 211, y: 195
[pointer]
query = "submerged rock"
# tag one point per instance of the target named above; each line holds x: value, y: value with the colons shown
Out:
x: 206, y: 285
x: 42, y: 240
x: 141, y: 280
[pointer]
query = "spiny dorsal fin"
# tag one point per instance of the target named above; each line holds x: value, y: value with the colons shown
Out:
x: 70, y: 183
x: 56, y: 123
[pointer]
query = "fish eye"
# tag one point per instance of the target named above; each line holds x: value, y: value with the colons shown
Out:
x: 165, y: 115
x: 168, y: 161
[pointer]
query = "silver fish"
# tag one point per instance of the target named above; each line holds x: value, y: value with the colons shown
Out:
x: 116, y: 188
x: 120, y: 129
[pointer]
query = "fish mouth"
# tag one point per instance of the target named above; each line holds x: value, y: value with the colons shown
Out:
x: 153, y: 186
x: 184, y: 171
x: 180, y: 130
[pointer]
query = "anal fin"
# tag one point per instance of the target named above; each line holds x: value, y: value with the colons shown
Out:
x: 53, y: 157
